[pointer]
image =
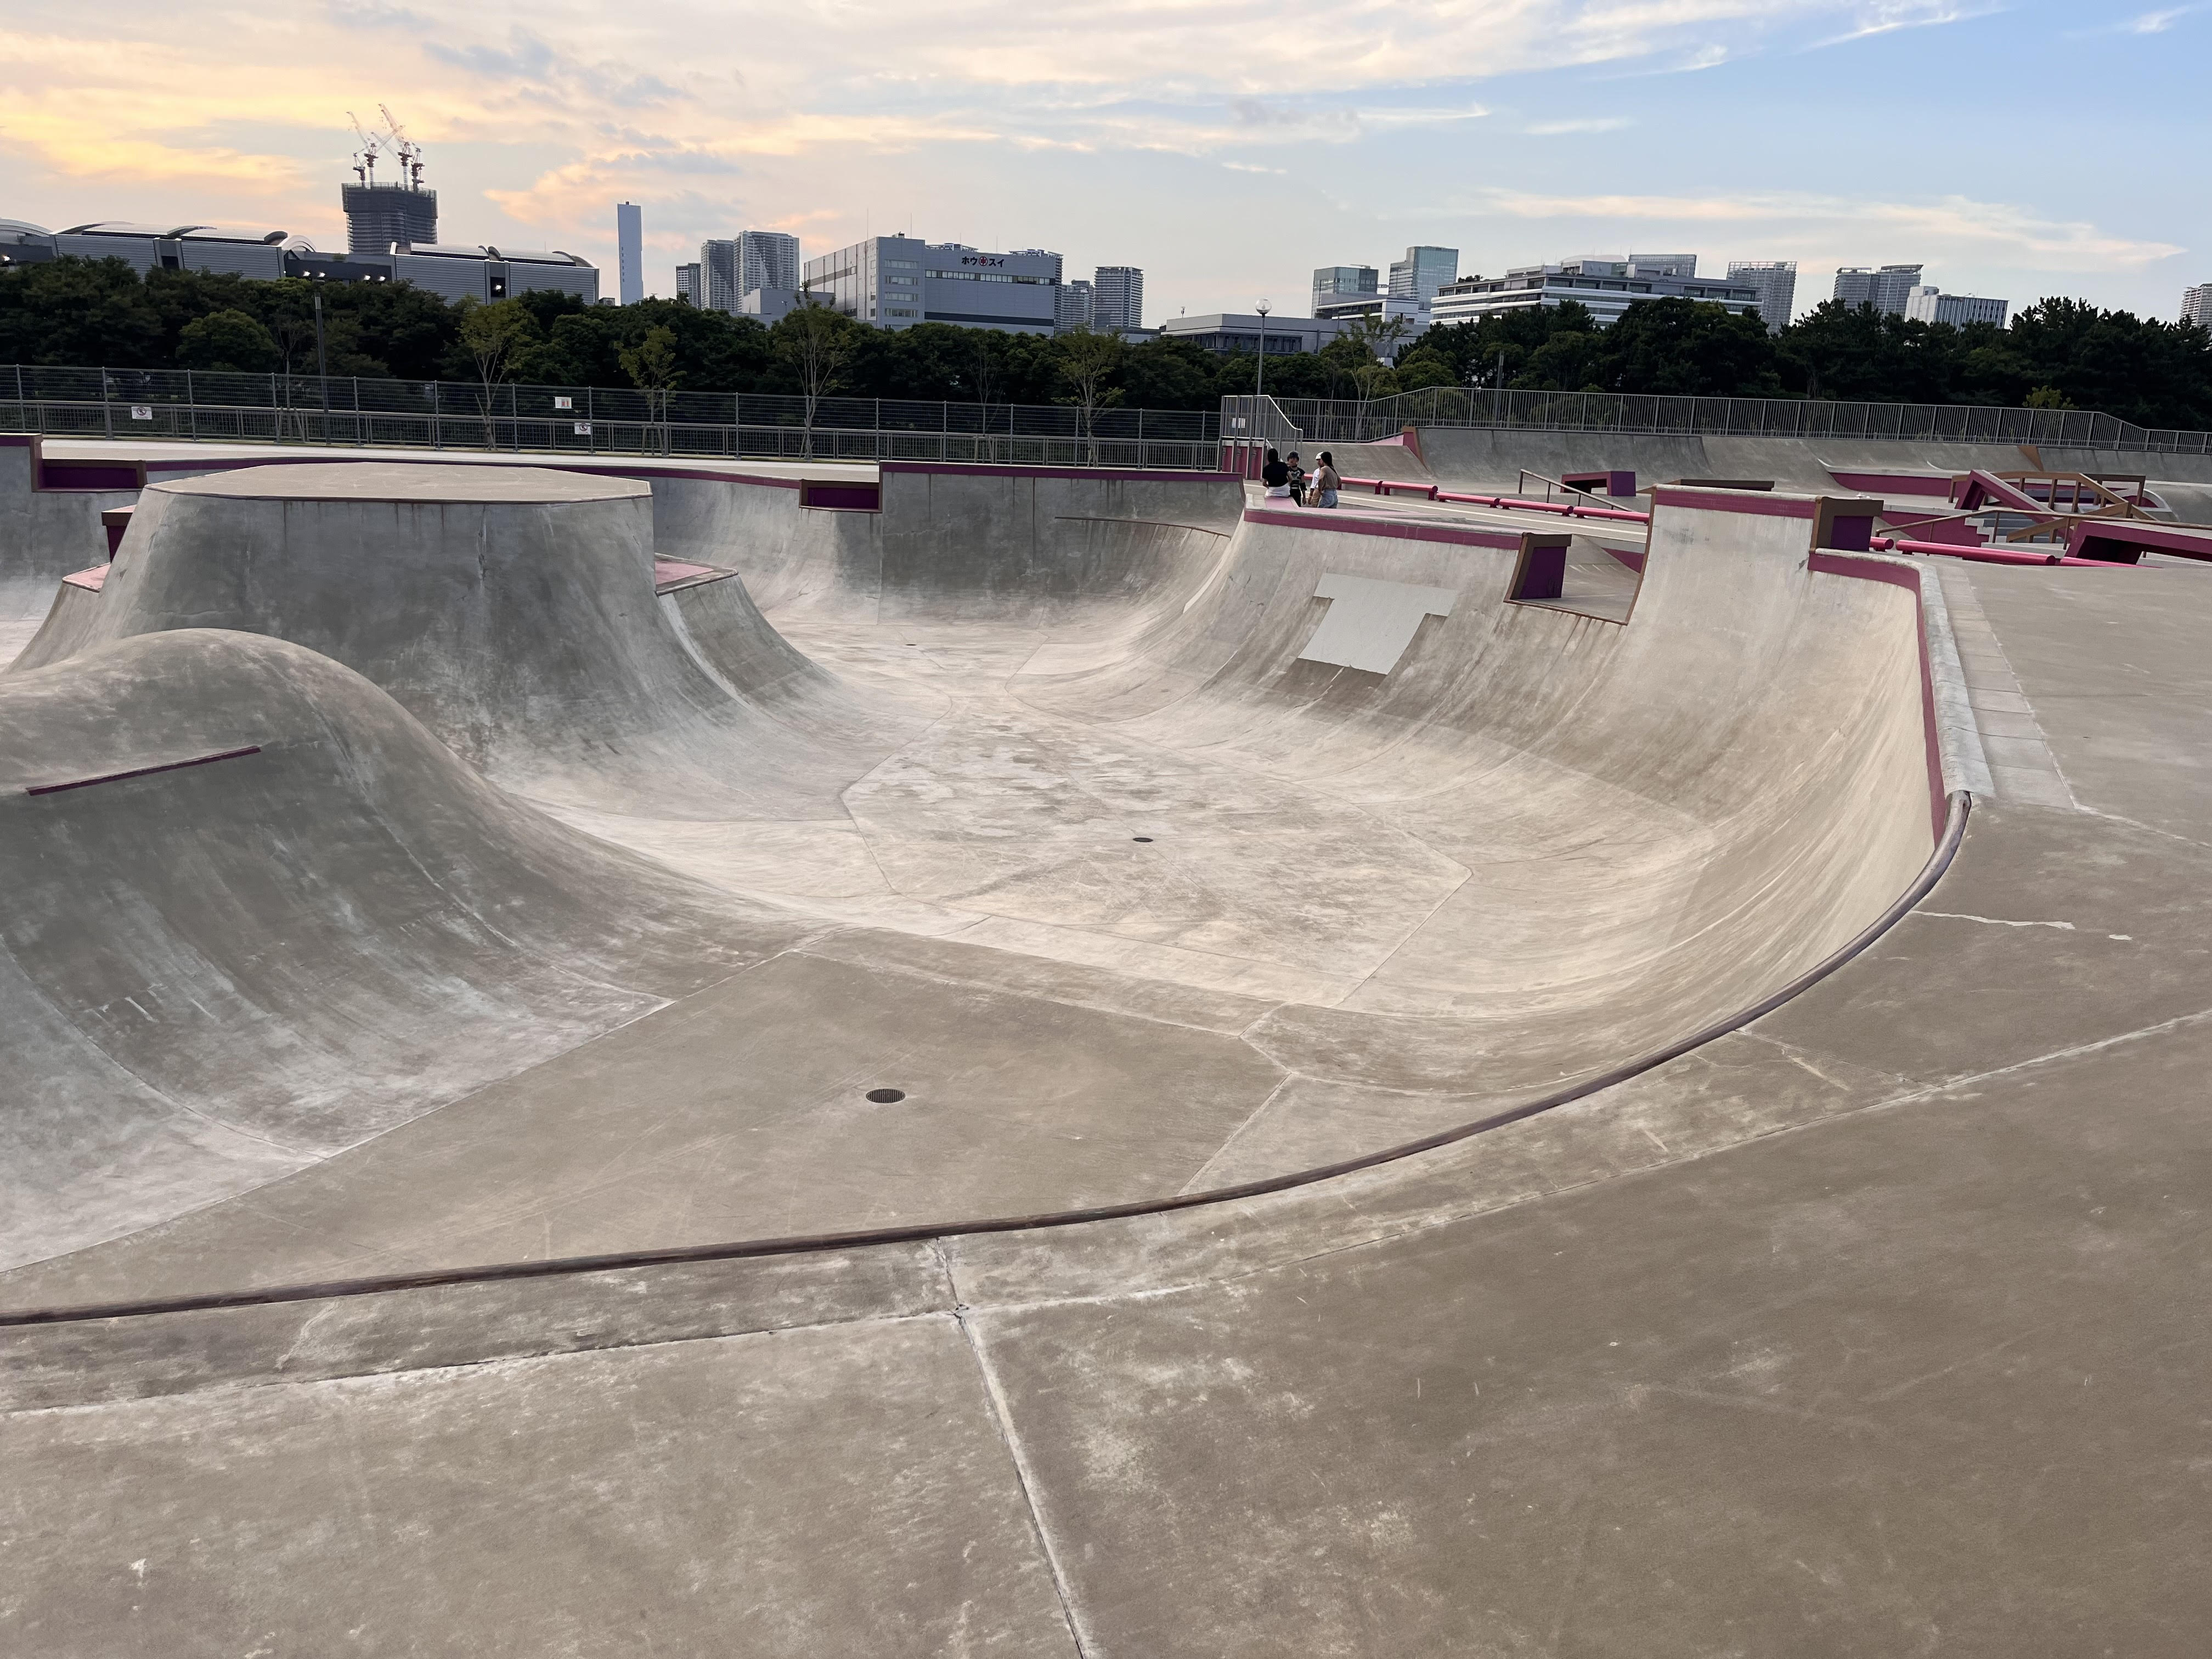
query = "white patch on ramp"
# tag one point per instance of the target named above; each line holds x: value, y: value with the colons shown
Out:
x: 1370, y: 623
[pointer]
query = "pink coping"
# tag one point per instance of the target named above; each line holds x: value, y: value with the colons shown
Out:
x: 91, y: 581
x: 1316, y: 518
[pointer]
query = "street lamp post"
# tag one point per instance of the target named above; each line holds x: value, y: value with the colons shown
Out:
x: 1260, y: 374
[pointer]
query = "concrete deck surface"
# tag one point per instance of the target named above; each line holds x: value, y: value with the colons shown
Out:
x: 1872, y: 1327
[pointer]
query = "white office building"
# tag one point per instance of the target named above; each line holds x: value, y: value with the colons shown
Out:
x: 895, y: 281
x: 2197, y: 305
x: 1606, y: 284
x: 1423, y: 272
x: 1889, y: 289
x: 1776, y: 281
x: 1932, y: 305
x: 1117, y: 298
x: 1228, y: 332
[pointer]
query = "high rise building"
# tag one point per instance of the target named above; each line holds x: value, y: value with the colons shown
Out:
x: 1886, y: 289
x: 895, y: 281
x: 1776, y: 282
x: 1932, y: 305
x: 1117, y: 297
x: 629, y: 252
x: 378, y: 216
x: 2197, y: 305
x: 688, y: 283
x: 750, y: 260
x: 767, y: 259
x: 718, y: 270
x: 1422, y: 272
x: 1075, y: 305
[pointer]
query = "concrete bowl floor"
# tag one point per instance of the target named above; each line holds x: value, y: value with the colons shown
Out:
x: 1026, y: 895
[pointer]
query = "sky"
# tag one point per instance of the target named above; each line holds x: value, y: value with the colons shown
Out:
x: 2016, y: 149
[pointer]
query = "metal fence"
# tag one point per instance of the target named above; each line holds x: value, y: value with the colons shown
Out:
x: 306, y: 409
x: 1347, y: 420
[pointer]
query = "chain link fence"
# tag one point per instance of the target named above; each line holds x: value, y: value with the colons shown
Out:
x: 193, y: 406
x: 1349, y: 420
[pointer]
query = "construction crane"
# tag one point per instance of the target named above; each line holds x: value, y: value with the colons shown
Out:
x: 410, y: 153
x: 364, y: 159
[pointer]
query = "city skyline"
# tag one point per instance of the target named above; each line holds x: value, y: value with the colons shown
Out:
x: 1335, y: 137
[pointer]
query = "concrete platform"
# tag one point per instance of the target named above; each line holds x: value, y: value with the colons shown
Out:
x: 1868, y: 1324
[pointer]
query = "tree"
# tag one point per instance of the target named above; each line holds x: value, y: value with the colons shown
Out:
x: 1688, y: 348
x: 91, y: 312
x: 1422, y: 369
x: 493, y: 336
x: 227, y: 342
x: 651, y: 366
x: 1088, y: 358
x: 815, y: 343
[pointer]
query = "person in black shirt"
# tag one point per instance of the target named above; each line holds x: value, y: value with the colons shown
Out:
x: 1276, y: 476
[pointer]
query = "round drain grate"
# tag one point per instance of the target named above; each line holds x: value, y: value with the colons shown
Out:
x: 885, y: 1097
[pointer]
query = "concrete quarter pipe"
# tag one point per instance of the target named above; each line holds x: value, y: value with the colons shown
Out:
x: 410, y: 896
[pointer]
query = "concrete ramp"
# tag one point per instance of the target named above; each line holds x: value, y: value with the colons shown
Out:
x: 1650, y: 819
x: 513, y: 611
x: 257, y: 914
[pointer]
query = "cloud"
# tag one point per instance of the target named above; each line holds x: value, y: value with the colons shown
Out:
x: 1591, y: 124
x: 1887, y: 16
x: 1953, y: 224
x: 2155, y: 22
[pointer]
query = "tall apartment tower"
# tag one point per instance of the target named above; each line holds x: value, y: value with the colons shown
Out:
x: 1889, y: 289
x: 689, y: 285
x: 2197, y: 305
x: 1075, y: 305
x: 1422, y: 272
x: 377, y: 215
x: 754, y: 259
x: 1776, y: 282
x: 767, y: 259
x: 629, y: 251
x: 1117, y: 297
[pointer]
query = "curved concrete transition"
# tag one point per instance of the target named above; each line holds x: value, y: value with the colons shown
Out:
x: 419, y: 878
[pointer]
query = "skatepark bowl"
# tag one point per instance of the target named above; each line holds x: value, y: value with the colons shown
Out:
x: 816, y: 1059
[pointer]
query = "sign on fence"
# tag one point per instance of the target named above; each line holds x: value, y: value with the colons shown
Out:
x: 564, y: 403
x: 583, y: 428
x: 142, y: 411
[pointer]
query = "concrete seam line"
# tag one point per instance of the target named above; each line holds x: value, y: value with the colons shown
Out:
x: 1960, y: 805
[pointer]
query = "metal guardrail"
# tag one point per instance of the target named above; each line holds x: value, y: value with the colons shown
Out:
x: 1347, y: 420
x: 194, y: 407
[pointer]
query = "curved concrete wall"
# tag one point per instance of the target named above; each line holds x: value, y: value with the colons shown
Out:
x: 212, y: 974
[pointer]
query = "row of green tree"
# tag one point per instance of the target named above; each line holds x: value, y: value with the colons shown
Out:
x: 2058, y: 354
